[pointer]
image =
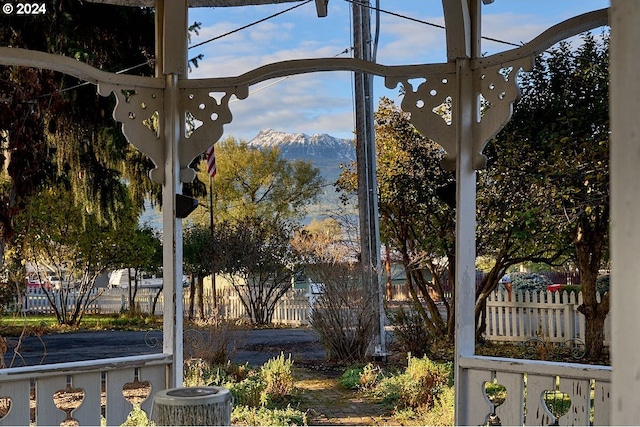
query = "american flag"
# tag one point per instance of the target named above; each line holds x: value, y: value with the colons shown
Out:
x: 211, y: 161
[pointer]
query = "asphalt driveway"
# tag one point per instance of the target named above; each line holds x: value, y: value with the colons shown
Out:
x: 252, y: 346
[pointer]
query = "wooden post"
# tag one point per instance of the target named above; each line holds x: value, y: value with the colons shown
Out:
x: 625, y: 210
x: 367, y: 183
x: 172, y: 27
x: 463, y: 36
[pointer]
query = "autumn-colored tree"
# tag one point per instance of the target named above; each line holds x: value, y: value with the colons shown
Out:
x: 259, y: 183
x: 415, y: 220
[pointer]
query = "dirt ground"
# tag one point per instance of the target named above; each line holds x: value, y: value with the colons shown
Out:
x: 329, y: 404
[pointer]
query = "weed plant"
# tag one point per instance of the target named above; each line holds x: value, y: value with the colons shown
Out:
x: 422, y: 393
x: 262, y: 416
x: 137, y: 417
x: 261, y: 396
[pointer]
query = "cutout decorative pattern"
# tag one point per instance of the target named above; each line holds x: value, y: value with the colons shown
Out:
x: 139, y: 110
x: 212, y: 113
x: 434, y: 103
x: 498, y: 88
x: 430, y: 106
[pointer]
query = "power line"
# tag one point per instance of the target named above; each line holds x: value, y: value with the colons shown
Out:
x: 431, y: 24
x: 250, y: 25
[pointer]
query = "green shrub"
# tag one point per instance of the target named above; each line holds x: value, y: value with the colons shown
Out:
x: 272, y: 385
x: 277, y: 375
x: 350, y: 379
x: 418, y: 387
x: 522, y: 282
x: 248, y: 392
x: 137, y: 417
x: 268, y: 417
x: 442, y: 413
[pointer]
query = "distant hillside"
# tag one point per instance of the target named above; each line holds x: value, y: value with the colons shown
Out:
x: 324, y: 151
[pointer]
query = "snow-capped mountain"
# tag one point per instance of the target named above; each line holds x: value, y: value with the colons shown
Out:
x: 324, y: 151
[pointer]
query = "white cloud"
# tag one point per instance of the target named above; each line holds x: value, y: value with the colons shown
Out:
x: 322, y: 102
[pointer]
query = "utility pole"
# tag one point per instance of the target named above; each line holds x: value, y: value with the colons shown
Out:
x: 367, y: 185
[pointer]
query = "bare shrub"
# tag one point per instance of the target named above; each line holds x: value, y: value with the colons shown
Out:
x: 215, y: 341
x: 343, y: 313
x: 410, y: 332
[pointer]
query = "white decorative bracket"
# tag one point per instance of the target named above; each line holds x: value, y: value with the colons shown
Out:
x: 140, y: 100
x: 434, y: 101
x: 139, y: 110
x: 208, y: 115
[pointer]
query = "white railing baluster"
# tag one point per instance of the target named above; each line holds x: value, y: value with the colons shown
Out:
x: 47, y: 413
x: 90, y: 409
x: 511, y: 412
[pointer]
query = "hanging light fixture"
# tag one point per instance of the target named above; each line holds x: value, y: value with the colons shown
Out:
x: 321, y: 8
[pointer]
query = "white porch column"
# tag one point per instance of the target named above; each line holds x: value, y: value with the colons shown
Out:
x: 172, y: 27
x: 625, y: 210
x: 463, y: 44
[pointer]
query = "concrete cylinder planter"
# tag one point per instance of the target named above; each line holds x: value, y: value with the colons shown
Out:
x: 194, y: 406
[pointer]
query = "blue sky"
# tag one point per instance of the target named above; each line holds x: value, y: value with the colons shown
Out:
x: 323, y: 102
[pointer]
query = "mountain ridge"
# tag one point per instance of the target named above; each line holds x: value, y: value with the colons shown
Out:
x: 324, y: 151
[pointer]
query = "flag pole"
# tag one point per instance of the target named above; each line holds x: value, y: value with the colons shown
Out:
x: 213, y: 273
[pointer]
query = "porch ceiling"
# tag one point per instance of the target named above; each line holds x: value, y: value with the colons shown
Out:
x: 195, y: 3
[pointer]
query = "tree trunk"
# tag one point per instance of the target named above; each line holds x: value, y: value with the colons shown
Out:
x: 200, y: 295
x: 594, y: 335
x: 192, y: 293
x: 590, y: 241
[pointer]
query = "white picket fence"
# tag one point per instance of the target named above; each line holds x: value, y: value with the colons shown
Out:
x: 550, y: 316
x: 293, y: 309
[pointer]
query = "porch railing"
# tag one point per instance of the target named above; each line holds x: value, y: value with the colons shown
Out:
x: 33, y: 393
x: 526, y: 384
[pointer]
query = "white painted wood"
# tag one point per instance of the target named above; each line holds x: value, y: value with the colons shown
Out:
x: 90, y: 410
x: 511, y: 412
x: 172, y: 231
x: 566, y: 29
x: 47, y: 413
x: 537, y: 412
x: 538, y: 367
x: 602, y: 404
x: 157, y: 377
x: 458, y: 28
x: 174, y: 37
x: 477, y: 406
x: 118, y: 408
x: 574, y: 379
x: 625, y: 209
x: 72, y: 67
x: 551, y: 321
x: 580, y: 393
x: 19, y: 412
